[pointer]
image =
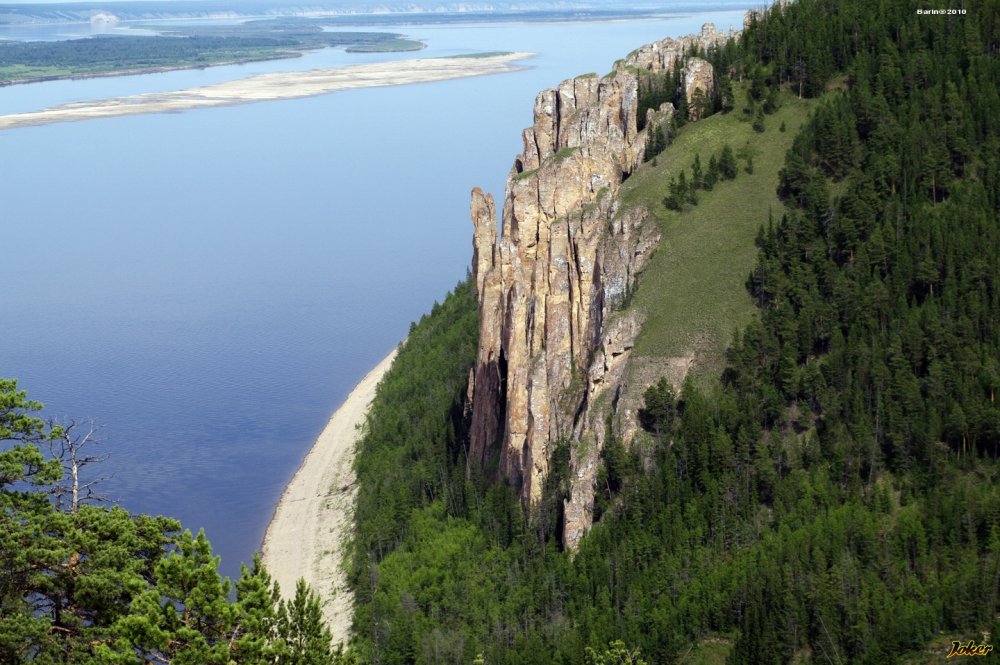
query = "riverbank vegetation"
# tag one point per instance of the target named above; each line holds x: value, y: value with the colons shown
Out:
x: 182, y: 48
x: 89, y: 583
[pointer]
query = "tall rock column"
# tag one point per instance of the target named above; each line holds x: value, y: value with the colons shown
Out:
x: 539, y: 282
x: 551, y: 277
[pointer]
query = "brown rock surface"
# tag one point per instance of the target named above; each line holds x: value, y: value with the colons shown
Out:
x: 698, y: 81
x: 553, y: 347
x: 662, y: 55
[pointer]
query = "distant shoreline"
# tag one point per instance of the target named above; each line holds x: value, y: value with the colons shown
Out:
x: 160, y: 69
x: 314, y: 515
x: 275, y: 86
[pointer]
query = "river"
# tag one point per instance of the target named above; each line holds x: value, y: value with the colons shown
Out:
x: 209, y: 285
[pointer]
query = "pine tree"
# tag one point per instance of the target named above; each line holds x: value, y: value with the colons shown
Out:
x: 697, y: 177
x: 255, y: 634
x: 301, y: 626
x: 681, y: 194
x: 772, y: 101
x: 692, y: 193
x: 727, y: 163
x: 712, y: 175
x: 659, y: 407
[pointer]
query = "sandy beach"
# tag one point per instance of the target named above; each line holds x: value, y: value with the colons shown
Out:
x: 305, y: 537
x: 269, y: 87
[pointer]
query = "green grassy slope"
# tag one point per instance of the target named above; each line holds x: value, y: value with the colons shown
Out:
x: 692, y: 291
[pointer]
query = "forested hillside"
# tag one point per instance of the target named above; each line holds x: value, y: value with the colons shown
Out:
x: 832, y: 496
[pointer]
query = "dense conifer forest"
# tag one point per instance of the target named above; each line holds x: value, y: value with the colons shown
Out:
x: 185, y: 46
x: 835, y: 498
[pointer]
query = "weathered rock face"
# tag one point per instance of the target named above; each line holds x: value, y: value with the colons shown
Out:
x: 543, y: 289
x: 698, y: 81
x: 662, y: 55
x: 551, y: 345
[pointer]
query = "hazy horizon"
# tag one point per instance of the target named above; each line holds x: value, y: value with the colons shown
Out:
x: 376, y: 6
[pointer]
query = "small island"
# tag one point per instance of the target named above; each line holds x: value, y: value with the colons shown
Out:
x: 184, y: 47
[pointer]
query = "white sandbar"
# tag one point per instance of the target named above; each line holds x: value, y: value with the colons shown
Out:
x: 268, y: 87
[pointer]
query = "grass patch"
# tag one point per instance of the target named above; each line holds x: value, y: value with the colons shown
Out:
x: 693, y: 289
x: 525, y: 174
x: 709, y: 651
x: 554, y: 158
x: 563, y: 153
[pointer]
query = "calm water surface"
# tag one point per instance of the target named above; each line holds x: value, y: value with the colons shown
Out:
x: 209, y: 285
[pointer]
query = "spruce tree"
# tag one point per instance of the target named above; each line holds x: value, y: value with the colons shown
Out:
x: 727, y: 163
x: 712, y: 175
x: 681, y: 194
x: 255, y: 634
x: 301, y: 627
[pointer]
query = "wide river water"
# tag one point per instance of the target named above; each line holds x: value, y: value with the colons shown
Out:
x: 209, y: 285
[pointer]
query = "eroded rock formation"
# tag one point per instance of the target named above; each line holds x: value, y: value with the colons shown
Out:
x: 698, y: 81
x: 662, y: 55
x: 552, y: 345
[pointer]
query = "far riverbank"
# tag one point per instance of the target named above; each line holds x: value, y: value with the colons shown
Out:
x: 269, y: 87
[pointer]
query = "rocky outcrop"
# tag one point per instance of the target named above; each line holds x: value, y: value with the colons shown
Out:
x: 665, y: 53
x: 698, y: 80
x: 553, y: 344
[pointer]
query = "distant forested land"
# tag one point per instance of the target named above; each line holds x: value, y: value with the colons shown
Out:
x: 834, y: 498
x: 340, y: 12
x: 194, y: 46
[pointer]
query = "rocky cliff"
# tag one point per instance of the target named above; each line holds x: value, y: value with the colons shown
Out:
x: 552, y: 343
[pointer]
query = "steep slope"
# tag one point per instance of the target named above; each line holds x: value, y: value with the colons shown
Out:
x: 567, y: 257
x: 834, y: 497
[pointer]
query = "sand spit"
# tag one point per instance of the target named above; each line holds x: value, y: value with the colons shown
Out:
x: 268, y: 87
x: 305, y: 537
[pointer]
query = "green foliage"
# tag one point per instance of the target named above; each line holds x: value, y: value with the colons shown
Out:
x: 305, y: 638
x: 258, y: 602
x: 835, y: 498
x: 656, y: 90
x: 697, y: 176
x: 657, y: 414
x: 727, y: 163
x: 188, y: 46
x: 23, y: 462
x: 692, y: 290
x: 712, y: 175
x: 683, y: 191
x: 659, y: 138
x: 98, y: 585
x: 616, y: 654
x: 411, y: 454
